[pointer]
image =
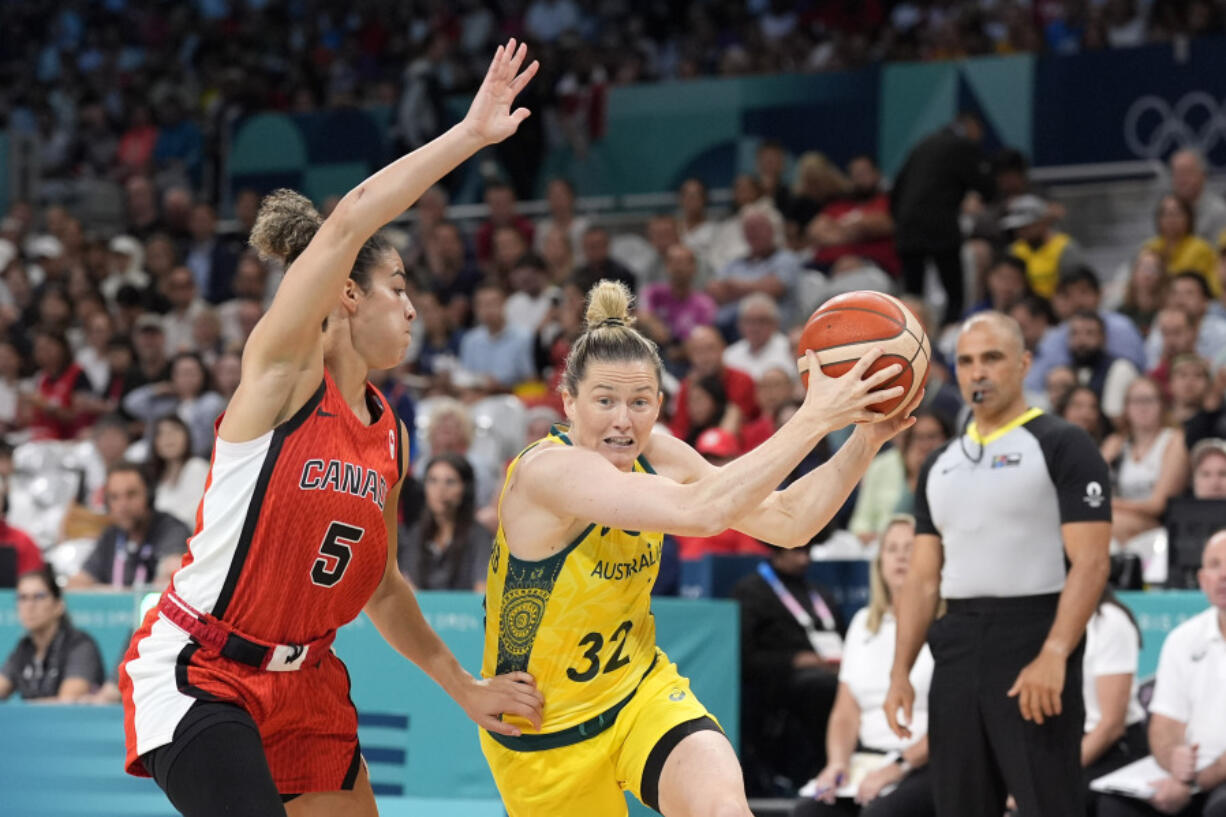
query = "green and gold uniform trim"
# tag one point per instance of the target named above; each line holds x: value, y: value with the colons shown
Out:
x: 524, y: 596
x: 575, y: 734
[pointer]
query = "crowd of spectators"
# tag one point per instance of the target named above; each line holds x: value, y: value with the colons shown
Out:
x: 123, y: 87
x: 121, y: 335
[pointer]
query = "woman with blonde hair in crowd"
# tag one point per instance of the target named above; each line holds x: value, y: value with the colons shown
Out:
x: 897, y: 785
x: 815, y: 183
x: 1148, y: 459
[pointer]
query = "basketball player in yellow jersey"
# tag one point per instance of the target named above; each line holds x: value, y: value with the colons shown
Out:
x: 577, y: 552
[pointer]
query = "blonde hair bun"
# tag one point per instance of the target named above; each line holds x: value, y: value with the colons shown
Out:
x: 609, y: 303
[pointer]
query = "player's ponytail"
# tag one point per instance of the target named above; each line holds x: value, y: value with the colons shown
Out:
x: 609, y: 337
x: 287, y: 222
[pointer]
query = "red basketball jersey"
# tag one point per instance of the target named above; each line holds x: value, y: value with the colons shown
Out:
x: 291, y: 540
x: 290, y: 544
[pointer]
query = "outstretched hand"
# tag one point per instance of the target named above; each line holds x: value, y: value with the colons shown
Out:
x: 490, y: 117
x: 513, y: 693
x: 878, y: 434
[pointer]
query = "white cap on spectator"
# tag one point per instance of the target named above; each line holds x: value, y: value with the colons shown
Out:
x: 149, y: 321
x: 1210, y: 445
x: 44, y: 246
x: 124, y: 245
x: 1023, y: 211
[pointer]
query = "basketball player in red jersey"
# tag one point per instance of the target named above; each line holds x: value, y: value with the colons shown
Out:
x: 233, y: 700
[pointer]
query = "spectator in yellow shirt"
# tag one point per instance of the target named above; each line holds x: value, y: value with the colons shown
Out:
x: 1047, y: 253
x: 1179, y: 248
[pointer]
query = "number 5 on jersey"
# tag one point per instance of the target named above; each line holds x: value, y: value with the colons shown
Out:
x: 335, y: 553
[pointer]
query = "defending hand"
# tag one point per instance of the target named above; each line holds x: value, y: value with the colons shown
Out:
x: 489, y: 117
x: 514, y: 693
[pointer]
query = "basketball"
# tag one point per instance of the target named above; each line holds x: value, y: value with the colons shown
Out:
x: 848, y: 326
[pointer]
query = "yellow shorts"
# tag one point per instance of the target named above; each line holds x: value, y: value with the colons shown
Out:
x: 589, y: 777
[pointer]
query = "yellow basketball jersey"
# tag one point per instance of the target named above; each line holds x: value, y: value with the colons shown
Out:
x: 579, y: 621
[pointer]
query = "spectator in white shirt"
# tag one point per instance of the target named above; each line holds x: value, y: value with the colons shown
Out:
x: 899, y: 786
x: 697, y: 231
x: 1188, y: 185
x: 92, y: 355
x: 185, y: 303
x: 1115, y: 722
x: 560, y: 194
x: 177, y: 476
x: 532, y: 296
x: 1187, y: 714
x: 762, y: 346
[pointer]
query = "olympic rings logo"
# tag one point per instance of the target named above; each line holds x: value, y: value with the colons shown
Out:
x: 1152, y: 127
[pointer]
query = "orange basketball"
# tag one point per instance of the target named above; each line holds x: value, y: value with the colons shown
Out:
x: 848, y: 326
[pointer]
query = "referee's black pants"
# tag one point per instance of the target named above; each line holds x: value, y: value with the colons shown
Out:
x: 981, y: 750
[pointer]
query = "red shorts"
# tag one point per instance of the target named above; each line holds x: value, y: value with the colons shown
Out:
x: 307, y: 722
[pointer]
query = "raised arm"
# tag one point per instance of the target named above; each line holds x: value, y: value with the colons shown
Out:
x: 284, y: 347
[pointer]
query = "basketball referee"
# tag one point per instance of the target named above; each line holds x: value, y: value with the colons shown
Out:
x: 1013, y: 519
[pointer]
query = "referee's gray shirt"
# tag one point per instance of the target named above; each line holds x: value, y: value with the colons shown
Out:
x: 998, y: 503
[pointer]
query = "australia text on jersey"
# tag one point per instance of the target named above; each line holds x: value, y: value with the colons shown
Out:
x: 615, y: 571
x: 344, y: 477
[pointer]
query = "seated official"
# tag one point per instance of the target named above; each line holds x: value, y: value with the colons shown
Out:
x: 1115, y: 722
x: 129, y: 552
x: 791, y: 644
x: 899, y: 787
x: 53, y: 660
x: 1187, y: 715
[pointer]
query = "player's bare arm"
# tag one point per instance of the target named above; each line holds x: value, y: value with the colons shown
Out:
x: 792, y: 517
x: 283, y: 358
x: 599, y: 492
x: 396, y: 614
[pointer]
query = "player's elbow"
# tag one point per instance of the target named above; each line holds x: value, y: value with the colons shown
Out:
x: 344, y: 223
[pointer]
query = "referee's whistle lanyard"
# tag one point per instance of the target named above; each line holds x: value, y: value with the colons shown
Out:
x: 800, y: 613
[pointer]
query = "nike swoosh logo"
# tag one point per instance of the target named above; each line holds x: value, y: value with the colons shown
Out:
x: 950, y: 468
x: 319, y: 412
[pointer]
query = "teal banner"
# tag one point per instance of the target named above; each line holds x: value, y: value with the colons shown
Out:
x: 421, y: 749
x: 1117, y: 105
x: 1157, y: 613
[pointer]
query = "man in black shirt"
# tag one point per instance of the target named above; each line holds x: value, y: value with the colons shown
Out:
x: 129, y: 550
x: 927, y: 200
x: 791, y: 643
